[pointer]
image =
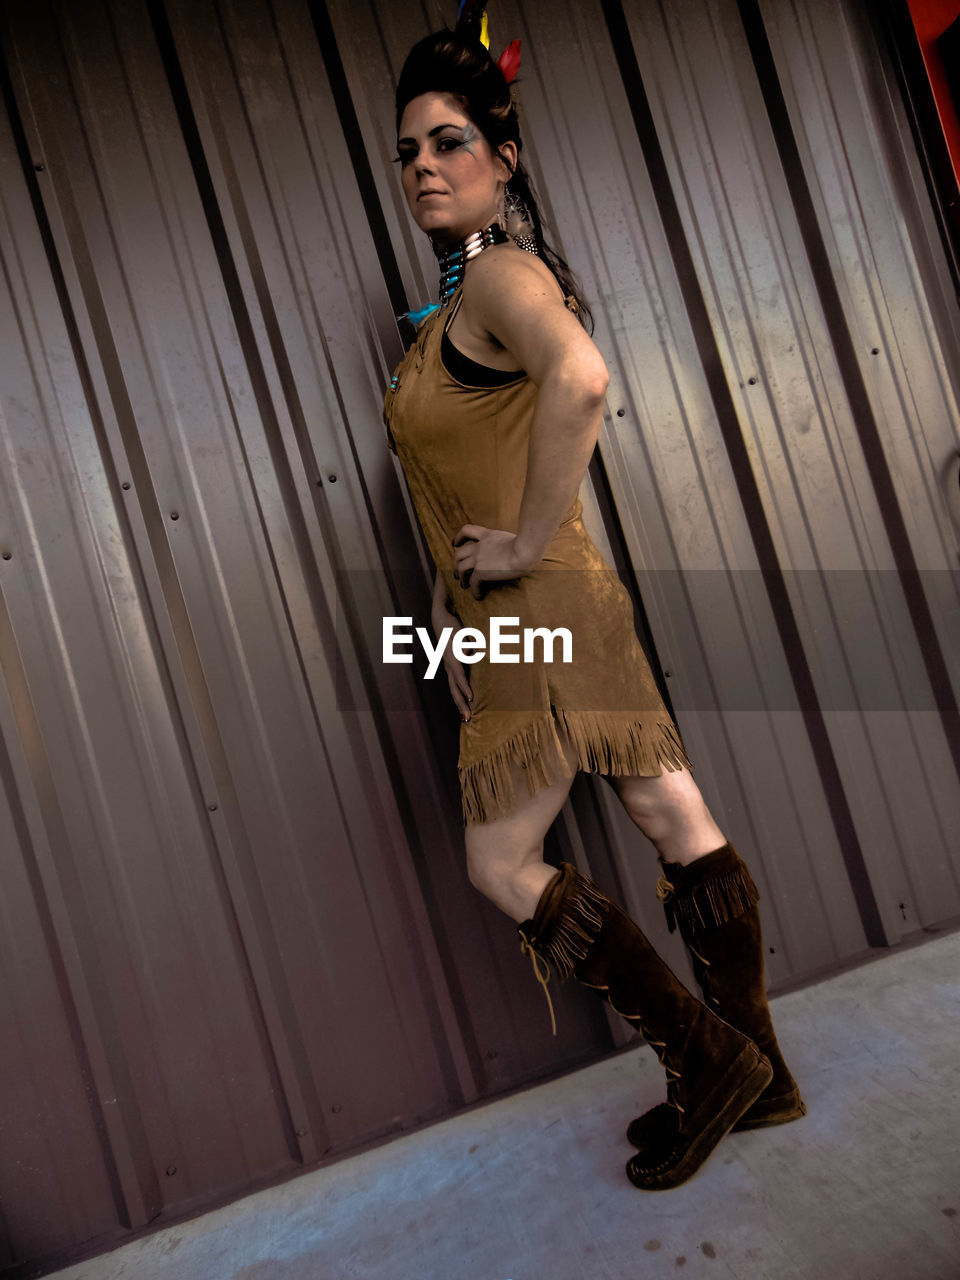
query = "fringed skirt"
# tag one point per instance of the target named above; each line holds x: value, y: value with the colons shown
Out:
x: 604, y: 700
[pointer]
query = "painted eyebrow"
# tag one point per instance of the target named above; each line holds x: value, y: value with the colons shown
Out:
x: 433, y: 132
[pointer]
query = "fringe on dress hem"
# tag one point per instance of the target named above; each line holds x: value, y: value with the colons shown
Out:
x: 630, y: 747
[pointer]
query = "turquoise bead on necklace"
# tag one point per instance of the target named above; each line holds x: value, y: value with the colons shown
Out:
x: 453, y: 261
x: 452, y: 264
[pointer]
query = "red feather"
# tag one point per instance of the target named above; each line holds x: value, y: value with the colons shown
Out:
x: 509, y: 60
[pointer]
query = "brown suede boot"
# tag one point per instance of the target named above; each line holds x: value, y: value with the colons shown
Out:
x: 714, y: 901
x: 714, y: 1072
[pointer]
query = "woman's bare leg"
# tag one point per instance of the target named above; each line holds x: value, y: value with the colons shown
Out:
x: 671, y: 813
x: 505, y: 856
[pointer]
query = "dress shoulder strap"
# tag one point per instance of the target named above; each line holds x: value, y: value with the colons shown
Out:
x: 454, y: 309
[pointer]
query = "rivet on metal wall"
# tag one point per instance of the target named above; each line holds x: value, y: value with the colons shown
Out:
x: 332, y: 477
x: 39, y: 166
x: 125, y: 484
x: 301, y: 1133
x: 212, y: 806
x: 752, y: 381
x: 174, y: 515
x: 336, y: 1107
x: 171, y: 1170
x: 874, y: 351
x: 668, y: 674
x: 7, y: 555
x: 621, y: 412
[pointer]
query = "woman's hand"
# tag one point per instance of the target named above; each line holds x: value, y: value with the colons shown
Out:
x: 460, y: 689
x: 489, y: 555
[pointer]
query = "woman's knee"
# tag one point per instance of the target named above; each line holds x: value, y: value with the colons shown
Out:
x: 659, y: 800
x: 494, y: 870
x: 500, y: 852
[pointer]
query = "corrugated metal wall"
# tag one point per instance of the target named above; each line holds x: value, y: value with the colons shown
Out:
x: 236, y: 930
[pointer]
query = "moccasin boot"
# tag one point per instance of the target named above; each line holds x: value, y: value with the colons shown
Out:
x: 713, y: 901
x: 714, y: 1073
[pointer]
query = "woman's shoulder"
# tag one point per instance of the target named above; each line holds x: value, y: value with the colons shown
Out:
x: 503, y: 265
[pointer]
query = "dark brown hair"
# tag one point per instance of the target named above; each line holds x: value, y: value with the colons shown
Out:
x: 458, y: 64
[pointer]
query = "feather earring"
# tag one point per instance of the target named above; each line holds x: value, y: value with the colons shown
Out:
x: 514, y: 218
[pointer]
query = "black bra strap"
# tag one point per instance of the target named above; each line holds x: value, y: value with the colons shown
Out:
x: 463, y: 367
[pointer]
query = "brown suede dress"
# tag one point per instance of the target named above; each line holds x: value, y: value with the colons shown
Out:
x: 463, y: 450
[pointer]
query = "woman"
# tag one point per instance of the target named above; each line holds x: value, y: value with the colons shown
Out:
x: 494, y: 413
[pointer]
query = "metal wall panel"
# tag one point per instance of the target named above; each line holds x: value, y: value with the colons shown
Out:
x: 233, y: 884
x: 900, y: 341
x: 829, y: 522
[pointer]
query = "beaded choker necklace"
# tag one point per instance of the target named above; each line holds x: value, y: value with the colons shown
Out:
x: 452, y: 261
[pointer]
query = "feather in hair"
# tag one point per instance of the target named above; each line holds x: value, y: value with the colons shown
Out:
x: 471, y: 19
x: 509, y: 60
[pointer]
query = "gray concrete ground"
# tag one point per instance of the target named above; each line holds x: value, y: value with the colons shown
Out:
x: 532, y: 1187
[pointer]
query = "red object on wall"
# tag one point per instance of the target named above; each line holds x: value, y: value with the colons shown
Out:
x: 931, y: 18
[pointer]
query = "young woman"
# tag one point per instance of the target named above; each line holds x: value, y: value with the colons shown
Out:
x: 494, y: 413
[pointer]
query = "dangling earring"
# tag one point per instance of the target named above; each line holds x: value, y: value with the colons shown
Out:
x: 514, y: 218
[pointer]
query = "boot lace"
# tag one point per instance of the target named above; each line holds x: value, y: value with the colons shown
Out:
x: 527, y: 947
x: 665, y: 889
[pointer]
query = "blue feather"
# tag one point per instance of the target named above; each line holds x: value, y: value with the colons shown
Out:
x: 416, y: 317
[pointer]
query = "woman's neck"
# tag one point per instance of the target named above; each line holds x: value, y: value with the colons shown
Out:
x: 453, y: 259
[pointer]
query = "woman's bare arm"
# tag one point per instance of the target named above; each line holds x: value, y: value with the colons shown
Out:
x: 515, y: 298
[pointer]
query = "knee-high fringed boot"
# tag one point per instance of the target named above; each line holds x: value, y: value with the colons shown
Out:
x: 713, y: 901
x: 714, y: 1072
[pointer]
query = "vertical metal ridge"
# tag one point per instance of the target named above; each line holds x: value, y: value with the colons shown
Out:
x: 73, y: 952
x: 758, y: 524
x: 363, y: 172
x: 856, y: 390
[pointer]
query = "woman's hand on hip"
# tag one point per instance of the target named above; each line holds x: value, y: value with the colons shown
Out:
x: 488, y: 555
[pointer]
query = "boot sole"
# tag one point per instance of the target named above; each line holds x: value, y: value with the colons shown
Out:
x: 763, y: 1114
x: 767, y: 1112
x: 739, y: 1087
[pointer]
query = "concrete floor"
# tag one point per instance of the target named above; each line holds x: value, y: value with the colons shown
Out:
x: 532, y: 1187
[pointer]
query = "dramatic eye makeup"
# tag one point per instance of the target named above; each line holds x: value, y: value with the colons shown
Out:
x: 406, y: 154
